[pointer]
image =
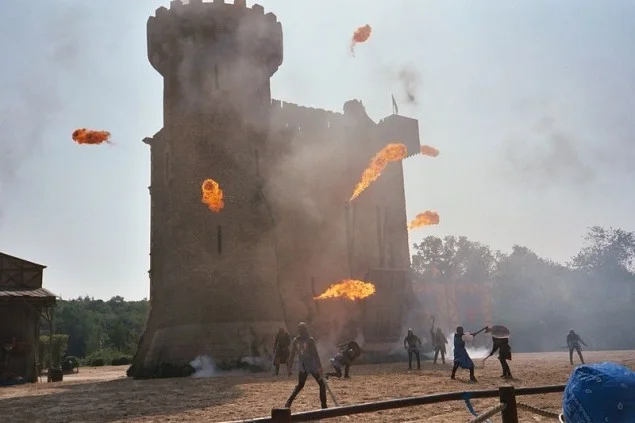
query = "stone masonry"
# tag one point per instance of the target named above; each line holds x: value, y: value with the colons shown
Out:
x: 221, y: 283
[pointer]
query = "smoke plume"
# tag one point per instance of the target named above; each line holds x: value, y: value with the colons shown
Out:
x: 29, y: 92
x: 548, y: 154
x: 409, y: 79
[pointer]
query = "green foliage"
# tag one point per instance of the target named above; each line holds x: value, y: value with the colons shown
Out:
x: 539, y: 300
x: 101, y: 329
x: 106, y: 357
x: 60, y: 343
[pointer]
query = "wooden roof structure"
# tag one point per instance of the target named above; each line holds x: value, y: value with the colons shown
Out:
x: 21, y: 281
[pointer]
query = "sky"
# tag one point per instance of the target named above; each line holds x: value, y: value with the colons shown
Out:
x: 530, y: 103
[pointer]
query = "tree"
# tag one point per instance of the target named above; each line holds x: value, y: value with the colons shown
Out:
x: 453, y: 260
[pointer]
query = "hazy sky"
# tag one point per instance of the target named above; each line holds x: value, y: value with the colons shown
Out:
x: 530, y: 102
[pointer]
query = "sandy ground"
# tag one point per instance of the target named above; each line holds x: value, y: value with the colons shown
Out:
x: 106, y: 395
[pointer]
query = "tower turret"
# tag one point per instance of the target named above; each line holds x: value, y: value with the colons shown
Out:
x: 213, y: 278
x: 214, y: 56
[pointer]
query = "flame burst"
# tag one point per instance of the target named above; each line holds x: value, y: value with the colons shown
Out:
x: 390, y: 153
x: 426, y: 218
x: 427, y: 150
x: 212, y: 195
x: 361, y: 35
x: 349, y: 288
x: 88, y: 136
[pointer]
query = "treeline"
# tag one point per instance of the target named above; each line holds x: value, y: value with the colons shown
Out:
x: 540, y: 300
x: 100, y: 332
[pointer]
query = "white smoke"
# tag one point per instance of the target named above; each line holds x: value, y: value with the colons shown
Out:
x: 472, y: 350
x: 203, y: 366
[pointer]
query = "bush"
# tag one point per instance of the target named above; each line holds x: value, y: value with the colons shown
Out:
x: 70, y: 363
x: 106, y: 357
x: 121, y: 361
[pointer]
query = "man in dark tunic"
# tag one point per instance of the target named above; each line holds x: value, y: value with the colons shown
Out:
x: 308, y: 363
x: 573, y: 342
x: 412, y: 343
x: 461, y: 357
x: 504, y: 354
x: 438, y: 342
x: 281, y: 349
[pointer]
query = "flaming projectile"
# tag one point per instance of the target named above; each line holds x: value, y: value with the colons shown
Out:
x: 88, y: 136
x: 426, y: 218
x: 212, y: 195
x: 361, y: 35
x: 390, y: 153
x: 349, y: 288
x: 427, y: 150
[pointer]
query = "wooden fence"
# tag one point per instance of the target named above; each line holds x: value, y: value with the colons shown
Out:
x: 506, y: 394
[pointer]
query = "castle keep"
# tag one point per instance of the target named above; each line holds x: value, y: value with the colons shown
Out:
x: 222, y: 283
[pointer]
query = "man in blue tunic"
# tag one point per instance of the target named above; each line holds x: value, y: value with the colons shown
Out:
x: 308, y: 363
x: 461, y: 357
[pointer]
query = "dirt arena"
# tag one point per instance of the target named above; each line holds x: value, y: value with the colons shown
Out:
x: 106, y: 395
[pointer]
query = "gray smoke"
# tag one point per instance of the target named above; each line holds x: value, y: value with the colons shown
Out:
x: 29, y: 87
x: 549, y: 154
x: 409, y: 78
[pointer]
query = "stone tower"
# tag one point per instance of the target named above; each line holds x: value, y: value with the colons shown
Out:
x: 213, y: 286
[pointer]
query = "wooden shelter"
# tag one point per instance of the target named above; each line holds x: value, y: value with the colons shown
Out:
x: 23, y: 302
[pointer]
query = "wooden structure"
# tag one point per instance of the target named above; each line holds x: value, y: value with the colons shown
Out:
x: 23, y: 302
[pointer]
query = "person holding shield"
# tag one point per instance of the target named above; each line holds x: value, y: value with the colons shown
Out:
x: 504, y: 353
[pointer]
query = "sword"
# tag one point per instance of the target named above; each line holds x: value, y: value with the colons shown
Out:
x: 328, y: 388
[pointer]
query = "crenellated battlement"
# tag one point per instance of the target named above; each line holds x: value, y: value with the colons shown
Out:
x: 301, y: 118
x: 249, y: 33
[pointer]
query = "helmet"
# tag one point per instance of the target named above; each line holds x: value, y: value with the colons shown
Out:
x: 303, y: 330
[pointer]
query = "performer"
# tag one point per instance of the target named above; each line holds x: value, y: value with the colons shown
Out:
x: 308, y: 363
x: 461, y: 357
x: 504, y: 354
x: 573, y: 342
x: 413, y: 344
x: 343, y: 358
x: 439, y: 341
x: 281, y: 349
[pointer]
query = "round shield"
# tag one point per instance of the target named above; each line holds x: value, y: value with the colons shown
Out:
x: 499, y: 331
x: 356, y: 350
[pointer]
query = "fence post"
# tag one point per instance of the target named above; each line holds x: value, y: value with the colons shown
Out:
x: 281, y: 415
x: 507, y: 395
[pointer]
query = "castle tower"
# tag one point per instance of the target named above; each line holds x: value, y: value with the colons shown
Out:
x: 213, y: 276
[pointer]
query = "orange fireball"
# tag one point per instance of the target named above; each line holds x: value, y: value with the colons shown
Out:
x: 349, y: 288
x: 427, y: 150
x: 212, y: 195
x: 88, y: 136
x: 390, y: 153
x: 426, y: 218
x: 361, y: 35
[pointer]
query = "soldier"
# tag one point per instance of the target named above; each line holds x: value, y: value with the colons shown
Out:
x: 308, y: 363
x: 504, y: 354
x: 281, y: 349
x: 461, y: 357
x: 438, y: 341
x: 343, y: 358
x: 412, y: 343
x: 573, y: 342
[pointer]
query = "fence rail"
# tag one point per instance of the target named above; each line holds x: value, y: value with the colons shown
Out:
x: 506, y: 394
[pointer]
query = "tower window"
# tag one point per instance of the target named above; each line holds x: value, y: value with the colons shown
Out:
x: 219, y: 240
x: 167, y: 167
x: 257, y: 163
x: 216, y: 77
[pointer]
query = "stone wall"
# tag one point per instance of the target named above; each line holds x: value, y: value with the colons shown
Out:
x: 224, y: 282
